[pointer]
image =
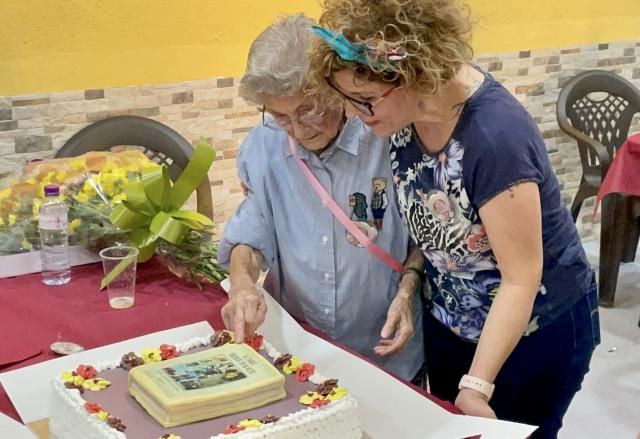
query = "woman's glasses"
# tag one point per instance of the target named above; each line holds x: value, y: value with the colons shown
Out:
x: 309, y: 118
x: 363, y: 107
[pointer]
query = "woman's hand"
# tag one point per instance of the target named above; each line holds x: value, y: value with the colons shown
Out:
x: 473, y: 403
x: 398, y: 328
x: 244, y: 312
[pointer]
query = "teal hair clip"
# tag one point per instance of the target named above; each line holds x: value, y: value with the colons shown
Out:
x: 345, y: 49
x: 357, y: 52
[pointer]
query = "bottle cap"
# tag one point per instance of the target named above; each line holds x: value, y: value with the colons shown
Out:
x: 51, y: 190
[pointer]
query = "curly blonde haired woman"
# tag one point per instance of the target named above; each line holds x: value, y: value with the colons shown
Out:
x: 514, y: 302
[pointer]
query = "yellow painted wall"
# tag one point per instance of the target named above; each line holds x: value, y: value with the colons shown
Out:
x: 51, y: 45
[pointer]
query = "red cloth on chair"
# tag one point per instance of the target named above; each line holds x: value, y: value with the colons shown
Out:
x: 623, y: 176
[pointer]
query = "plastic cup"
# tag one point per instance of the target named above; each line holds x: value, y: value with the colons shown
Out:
x: 122, y: 289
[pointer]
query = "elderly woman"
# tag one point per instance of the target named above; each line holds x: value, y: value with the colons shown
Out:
x: 316, y: 270
x: 514, y: 303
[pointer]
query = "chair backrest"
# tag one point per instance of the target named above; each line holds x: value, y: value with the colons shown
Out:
x: 601, y: 105
x: 160, y: 143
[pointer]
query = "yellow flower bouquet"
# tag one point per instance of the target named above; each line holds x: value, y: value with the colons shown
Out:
x: 117, y: 198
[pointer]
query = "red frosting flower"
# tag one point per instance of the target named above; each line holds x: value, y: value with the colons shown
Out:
x: 87, y: 372
x: 305, y: 371
x: 168, y: 351
x: 92, y: 408
x: 233, y: 428
x: 255, y: 342
x: 319, y: 403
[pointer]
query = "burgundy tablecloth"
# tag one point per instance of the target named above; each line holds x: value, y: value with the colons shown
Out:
x: 32, y: 315
x: 623, y: 176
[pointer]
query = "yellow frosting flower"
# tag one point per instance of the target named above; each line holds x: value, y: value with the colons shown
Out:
x: 309, y: 397
x: 250, y: 423
x: 292, y: 365
x: 96, y: 384
x: 12, y: 219
x: 73, y: 225
x: 151, y: 355
x: 70, y: 377
x: 337, y: 393
x: 26, y: 244
x: 102, y: 415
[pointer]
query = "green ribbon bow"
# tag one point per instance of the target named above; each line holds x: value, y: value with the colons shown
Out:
x: 151, y: 210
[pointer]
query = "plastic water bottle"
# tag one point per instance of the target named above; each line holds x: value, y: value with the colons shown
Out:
x: 54, y: 242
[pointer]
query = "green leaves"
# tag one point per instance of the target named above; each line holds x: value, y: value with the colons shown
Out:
x: 151, y: 211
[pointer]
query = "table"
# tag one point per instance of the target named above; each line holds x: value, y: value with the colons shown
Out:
x: 33, y: 315
x: 620, y: 227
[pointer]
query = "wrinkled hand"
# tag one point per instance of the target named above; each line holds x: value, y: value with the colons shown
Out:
x: 244, y: 312
x: 474, y: 403
x: 398, y: 328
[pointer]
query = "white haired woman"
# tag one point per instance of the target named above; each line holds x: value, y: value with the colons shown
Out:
x: 315, y: 269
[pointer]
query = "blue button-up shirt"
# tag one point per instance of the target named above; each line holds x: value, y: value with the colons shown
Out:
x: 317, y: 271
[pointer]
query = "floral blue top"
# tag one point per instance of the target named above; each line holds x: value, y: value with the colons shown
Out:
x: 494, y: 146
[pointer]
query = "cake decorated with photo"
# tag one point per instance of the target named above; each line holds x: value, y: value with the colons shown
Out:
x: 205, y: 388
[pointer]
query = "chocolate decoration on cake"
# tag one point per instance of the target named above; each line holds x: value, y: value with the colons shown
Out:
x: 130, y: 360
x: 327, y: 387
x: 269, y: 419
x: 282, y: 360
x: 220, y: 338
x: 79, y: 387
x: 116, y: 423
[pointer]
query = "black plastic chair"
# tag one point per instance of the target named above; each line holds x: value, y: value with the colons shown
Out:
x: 596, y: 108
x: 160, y: 143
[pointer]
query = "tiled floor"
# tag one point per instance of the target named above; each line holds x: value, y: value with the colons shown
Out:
x: 608, y: 406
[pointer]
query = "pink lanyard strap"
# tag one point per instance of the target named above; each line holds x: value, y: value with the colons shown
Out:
x: 342, y: 217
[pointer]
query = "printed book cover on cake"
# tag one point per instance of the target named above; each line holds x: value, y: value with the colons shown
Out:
x: 216, y: 373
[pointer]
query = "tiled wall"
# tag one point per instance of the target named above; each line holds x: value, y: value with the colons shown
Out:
x: 535, y: 78
x: 35, y: 126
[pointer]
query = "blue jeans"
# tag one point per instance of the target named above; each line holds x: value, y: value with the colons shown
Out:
x: 539, y: 379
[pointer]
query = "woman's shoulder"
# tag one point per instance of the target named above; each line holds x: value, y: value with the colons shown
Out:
x: 261, y: 153
x: 263, y: 142
x: 495, y: 122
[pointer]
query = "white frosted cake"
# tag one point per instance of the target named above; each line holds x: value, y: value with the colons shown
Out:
x: 93, y: 402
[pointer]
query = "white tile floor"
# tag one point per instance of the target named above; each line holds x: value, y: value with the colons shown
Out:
x: 608, y: 406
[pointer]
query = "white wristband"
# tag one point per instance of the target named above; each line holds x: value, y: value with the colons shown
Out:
x: 480, y: 385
